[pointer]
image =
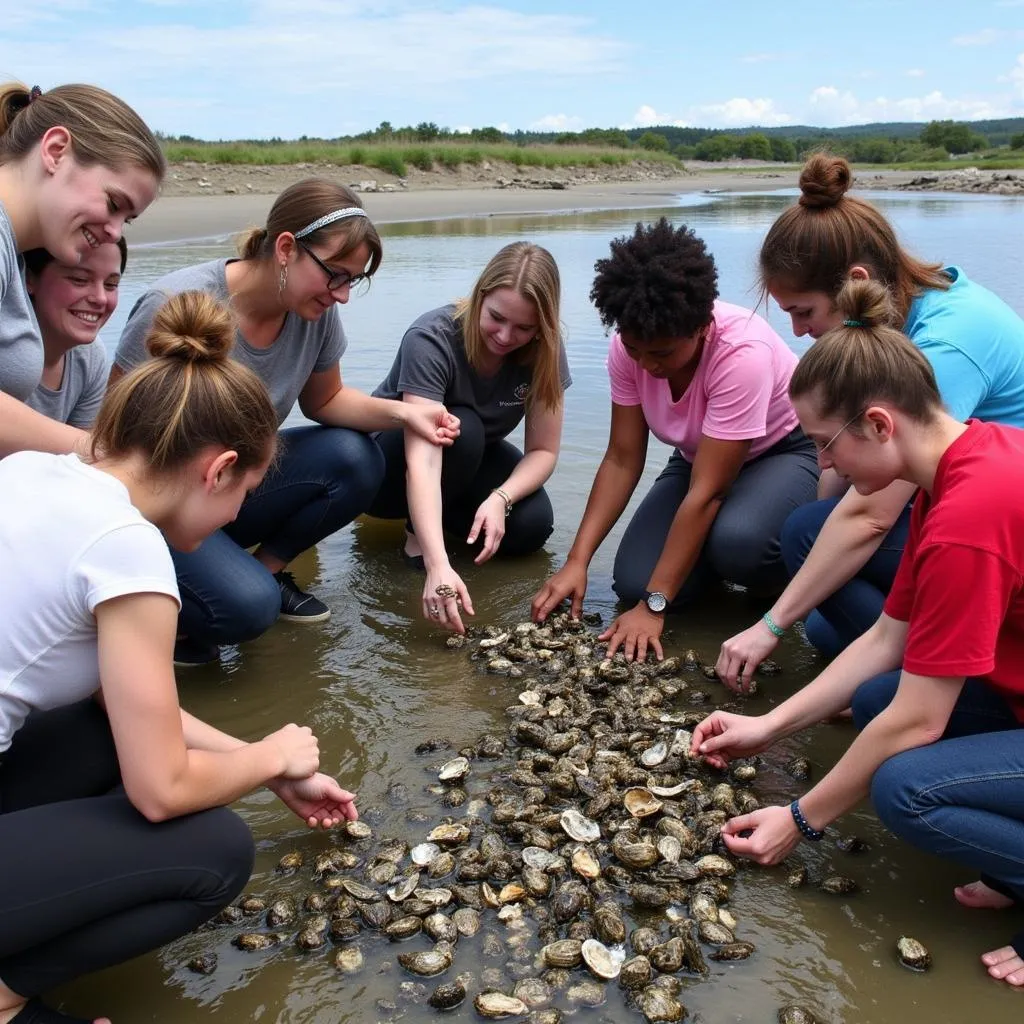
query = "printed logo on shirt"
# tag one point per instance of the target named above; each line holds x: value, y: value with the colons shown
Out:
x: 520, y: 395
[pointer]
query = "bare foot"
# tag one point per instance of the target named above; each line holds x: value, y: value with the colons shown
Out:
x: 980, y: 896
x: 412, y: 545
x: 1005, y: 965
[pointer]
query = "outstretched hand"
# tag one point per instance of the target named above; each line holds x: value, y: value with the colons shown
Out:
x: 742, y: 653
x: 634, y: 631
x: 723, y: 736
x: 318, y: 800
x: 570, y: 581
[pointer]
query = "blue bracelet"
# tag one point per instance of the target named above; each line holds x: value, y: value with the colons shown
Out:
x: 813, y: 834
x: 776, y: 629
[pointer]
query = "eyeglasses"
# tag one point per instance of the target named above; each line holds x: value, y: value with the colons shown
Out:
x: 849, y: 422
x: 335, y: 278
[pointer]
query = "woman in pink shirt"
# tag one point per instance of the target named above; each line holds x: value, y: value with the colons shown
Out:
x: 710, y: 380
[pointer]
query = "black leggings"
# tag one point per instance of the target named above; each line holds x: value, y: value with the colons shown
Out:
x: 470, y: 470
x: 85, y: 880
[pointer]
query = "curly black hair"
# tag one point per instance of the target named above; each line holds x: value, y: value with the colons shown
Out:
x: 661, y: 282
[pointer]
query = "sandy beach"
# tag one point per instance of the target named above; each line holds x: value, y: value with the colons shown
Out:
x: 209, y: 201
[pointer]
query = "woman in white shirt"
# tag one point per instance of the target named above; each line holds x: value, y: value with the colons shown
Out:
x: 93, y: 742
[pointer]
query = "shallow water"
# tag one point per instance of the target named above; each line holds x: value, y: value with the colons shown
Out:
x: 374, y: 680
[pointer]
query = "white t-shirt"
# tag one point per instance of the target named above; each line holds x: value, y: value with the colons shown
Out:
x: 70, y: 538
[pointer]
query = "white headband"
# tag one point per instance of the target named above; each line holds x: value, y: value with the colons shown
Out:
x: 330, y: 218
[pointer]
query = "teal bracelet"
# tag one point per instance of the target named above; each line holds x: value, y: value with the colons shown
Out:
x: 776, y: 629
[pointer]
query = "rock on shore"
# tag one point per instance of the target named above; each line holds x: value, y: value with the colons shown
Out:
x: 968, y: 179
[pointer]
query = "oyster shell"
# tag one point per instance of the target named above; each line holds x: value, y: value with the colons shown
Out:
x: 839, y: 885
x: 497, y: 1006
x: 404, y: 928
x: 426, y: 963
x: 423, y: 854
x: 733, y: 951
x: 585, y: 864
x: 653, y: 756
x: 796, y: 1014
x: 449, y: 835
x: 578, y: 827
x: 290, y: 862
x: 566, y: 953
x: 641, y: 802
x: 456, y: 768
x: 603, y: 962
x: 635, y: 973
x: 658, y: 1005
x: 349, y: 960
x: 448, y: 996
x: 715, y: 866
x: 912, y: 954
x: 405, y: 888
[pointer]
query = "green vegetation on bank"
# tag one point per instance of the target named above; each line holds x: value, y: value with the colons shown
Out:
x: 993, y: 144
x: 396, y: 158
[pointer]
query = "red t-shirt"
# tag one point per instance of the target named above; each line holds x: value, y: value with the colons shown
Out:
x: 960, y: 584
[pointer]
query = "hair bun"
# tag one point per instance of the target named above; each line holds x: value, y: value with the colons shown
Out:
x: 192, y: 327
x: 867, y: 304
x: 824, y: 180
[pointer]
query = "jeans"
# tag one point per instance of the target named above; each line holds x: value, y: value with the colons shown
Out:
x: 324, y: 477
x: 85, y: 880
x: 742, y: 545
x: 856, y: 605
x: 470, y: 469
x: 962, y: 797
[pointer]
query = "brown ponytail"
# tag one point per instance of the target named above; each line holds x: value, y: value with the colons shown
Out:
x: 812, y: 246
x: 189, y: 396
x: 866, y: 360
x: 104, y: 130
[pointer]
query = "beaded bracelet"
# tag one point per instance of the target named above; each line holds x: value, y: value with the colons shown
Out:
x: 813, y: 834
x: 505, y: 498
x: 772, y: 625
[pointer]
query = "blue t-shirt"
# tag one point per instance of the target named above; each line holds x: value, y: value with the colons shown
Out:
x: 975, y: 344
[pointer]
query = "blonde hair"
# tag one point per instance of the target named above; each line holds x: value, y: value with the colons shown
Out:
x: 104, y: 129
x: 190, y: 395
x: 866, y: 360
x: 298, y: 206
x: 532, y: 272
x: 811, y: 247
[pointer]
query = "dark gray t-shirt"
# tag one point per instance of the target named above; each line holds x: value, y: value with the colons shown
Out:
x: 81, y: 391
x: 301, y: 348
x: 21, y: 344
x: 431, y: 363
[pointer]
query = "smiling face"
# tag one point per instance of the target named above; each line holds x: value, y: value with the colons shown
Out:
x: 73, y: 301
x: 508, y: 321
x: 82, y: 207
x: 664, y: 358
x: 306, y: 293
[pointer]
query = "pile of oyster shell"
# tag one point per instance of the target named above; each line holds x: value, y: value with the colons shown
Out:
x: 591, y: 856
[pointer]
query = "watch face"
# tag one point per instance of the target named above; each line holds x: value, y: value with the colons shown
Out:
x: 657, y: 602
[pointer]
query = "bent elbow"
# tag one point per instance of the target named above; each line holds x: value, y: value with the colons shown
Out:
x: 154, y: 806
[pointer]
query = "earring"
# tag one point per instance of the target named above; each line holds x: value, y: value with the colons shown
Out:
x: 282, y: 279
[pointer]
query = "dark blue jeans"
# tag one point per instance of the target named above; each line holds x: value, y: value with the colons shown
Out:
x: 324, y: 477
x: 743, y: 543
x: 470, y: 469
x: 854, y: 607
x: 962, y: 797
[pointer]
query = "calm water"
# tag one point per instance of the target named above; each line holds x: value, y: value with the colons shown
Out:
x: 375, y: 680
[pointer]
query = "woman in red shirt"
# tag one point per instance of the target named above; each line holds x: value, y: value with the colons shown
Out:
x: 941, y: 750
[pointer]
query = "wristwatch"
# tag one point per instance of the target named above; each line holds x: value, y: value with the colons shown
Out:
x: 656, y: 601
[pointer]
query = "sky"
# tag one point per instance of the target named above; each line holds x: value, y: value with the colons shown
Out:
x: 265, y: 68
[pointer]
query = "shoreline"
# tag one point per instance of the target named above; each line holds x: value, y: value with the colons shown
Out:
x: 199, y: 214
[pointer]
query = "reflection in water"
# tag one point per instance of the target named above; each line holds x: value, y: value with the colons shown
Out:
x: 375, y: 679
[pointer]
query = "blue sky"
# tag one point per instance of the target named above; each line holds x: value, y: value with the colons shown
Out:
x: 263, y: 68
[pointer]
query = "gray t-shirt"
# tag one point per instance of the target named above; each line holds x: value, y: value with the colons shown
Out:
x: 302, y: 348
x: 21, y: 344
x: 431, y: 363
x: 81, y: 391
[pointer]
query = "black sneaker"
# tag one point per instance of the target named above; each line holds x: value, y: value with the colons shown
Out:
x: 297, y: 605
x: 188, y: 653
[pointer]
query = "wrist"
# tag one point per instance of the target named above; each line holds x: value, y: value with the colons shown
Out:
x: 274, y: 760
x: 803, y: 826
x: 773, y: 626
x: 577, y: 560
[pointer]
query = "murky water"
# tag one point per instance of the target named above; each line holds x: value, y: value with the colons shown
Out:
x: 374, y: 680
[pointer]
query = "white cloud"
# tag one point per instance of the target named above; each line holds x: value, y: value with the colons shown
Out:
x: 915, y: 73
x: 829, y: 106
x: 1016, y: 76
x: 646, y: 117
x: 986, y: 37
x: 763, y: 58
x: 557, y: 123
x: 740, y: 112
x: 279, y: 67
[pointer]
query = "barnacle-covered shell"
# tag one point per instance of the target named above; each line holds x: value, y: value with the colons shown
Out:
x: 358, y: 891
x: 635, y: 973
x: 796, y: 1014
x: 281, y: 912
x: 839, y: 885
x: 467, y: 921
x: 668, y: 957
x: 797, y: 877
x: 450, y: 835
x: 733, y: 951
x: 206, y: 963
x: 657, y: 1005
x: 448, y: 995
x: 440, y: 927
x: 715, y: 934
x: 912, y: 954
x: 290, y: 862
x: 349, y: 960
x: 634, y: 854
x: 251, y: 942
x: 404, y: 928
x: 715, y: 866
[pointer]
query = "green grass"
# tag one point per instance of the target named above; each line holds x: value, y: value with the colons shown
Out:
x: 395, y: 158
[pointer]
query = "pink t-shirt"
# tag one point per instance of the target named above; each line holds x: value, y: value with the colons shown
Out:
x: 739, y: 392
